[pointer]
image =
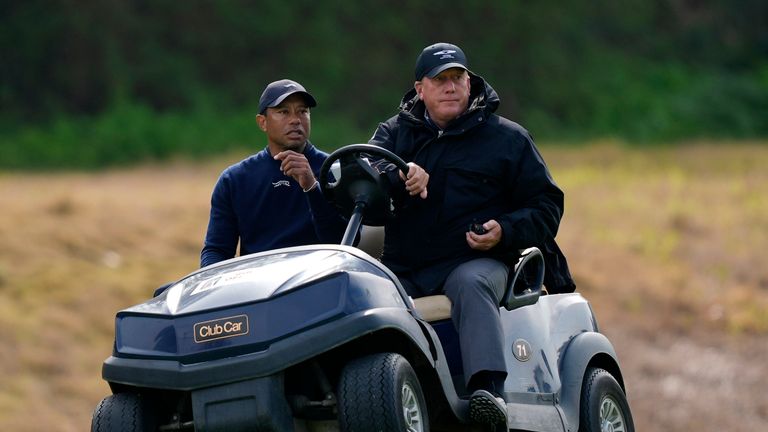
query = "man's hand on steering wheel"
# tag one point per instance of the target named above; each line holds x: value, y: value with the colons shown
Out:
x: 416, y: 181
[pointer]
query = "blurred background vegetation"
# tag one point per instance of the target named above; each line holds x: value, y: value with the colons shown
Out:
x: 93, y: 83
x: 667, y: 242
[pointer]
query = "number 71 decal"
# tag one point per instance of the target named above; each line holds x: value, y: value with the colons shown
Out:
x: 522, y: 350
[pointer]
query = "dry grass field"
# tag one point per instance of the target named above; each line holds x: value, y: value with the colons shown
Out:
x: 669, y: 245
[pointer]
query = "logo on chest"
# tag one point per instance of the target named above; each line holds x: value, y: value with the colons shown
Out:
x: 279, y: 183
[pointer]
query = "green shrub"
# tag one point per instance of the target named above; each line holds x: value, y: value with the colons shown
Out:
x: 132, y: 133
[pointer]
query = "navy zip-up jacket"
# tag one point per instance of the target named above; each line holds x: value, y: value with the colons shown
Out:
x: 481, y: 167
x: 262, y: 208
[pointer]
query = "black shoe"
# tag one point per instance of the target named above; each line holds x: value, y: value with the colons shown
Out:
x: 485, y: 408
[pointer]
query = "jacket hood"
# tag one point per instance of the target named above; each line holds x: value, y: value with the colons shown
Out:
x: 481, y: 97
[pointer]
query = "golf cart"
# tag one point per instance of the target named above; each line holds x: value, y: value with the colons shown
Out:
x: 324, y: 338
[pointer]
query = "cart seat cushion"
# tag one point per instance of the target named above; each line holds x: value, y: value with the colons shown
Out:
x: 433, y: 308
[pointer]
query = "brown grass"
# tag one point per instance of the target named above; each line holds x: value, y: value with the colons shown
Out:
x: 694, y: 221
x: 668, y: 244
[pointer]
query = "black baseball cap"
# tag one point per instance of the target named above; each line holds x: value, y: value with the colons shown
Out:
x: 439, y: 57
x: 277, y: 91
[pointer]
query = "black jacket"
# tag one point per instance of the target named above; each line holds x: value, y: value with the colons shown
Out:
x: 481, y: 167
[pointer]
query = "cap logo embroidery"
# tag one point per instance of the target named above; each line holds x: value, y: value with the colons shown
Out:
x: 289, y: 85
x: 281, y: 183
x: 444, y: 54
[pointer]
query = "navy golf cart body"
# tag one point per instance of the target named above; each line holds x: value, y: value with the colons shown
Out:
x: 325, y: 338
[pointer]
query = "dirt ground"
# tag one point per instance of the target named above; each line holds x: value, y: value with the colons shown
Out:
x: 679, y: 383
x: 678, y: 281
x: 679, y: 377
x: 667, y: 244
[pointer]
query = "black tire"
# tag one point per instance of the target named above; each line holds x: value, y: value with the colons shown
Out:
x: 381, y: 393
x: 123, y: 412
x: 603, y: 401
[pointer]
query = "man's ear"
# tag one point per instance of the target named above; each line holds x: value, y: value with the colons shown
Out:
x: 261, y: 120
x: 418, y: 86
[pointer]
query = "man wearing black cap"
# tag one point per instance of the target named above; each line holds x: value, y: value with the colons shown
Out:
x: 272, y: 199
x: 490, y: 195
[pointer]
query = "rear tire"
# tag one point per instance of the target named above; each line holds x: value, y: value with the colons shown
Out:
x: 381, y: 392
x: 603, y: 406
x: 123, y: 412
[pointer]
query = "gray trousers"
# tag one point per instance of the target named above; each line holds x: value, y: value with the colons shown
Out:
x: 475, y: 289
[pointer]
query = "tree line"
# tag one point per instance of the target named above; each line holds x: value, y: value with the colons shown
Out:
x: 639, y: 69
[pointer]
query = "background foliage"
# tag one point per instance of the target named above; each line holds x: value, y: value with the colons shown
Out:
x: 91, y: 83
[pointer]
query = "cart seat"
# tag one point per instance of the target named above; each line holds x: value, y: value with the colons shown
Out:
x: 438, y: 307
x: 433, y: 308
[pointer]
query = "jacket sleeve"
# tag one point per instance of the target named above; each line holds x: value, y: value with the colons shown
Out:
x: 222, y: 235
x: 384, y: 137
x: 537, y: 201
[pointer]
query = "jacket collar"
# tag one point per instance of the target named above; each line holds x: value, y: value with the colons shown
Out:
x: 308, y: 149
x: 482, y: 98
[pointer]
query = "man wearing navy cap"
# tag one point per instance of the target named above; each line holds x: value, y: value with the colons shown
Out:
x: 271, y: 199
x: 473, y: 169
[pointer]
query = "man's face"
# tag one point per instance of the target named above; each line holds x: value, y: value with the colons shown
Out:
x: 287, y: 125
x: 446, y: 95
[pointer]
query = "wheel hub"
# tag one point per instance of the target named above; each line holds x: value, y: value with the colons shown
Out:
x: 411, y: 410
x: 611, y: 418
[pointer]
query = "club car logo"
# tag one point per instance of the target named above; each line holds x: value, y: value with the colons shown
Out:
x: 221, y: 328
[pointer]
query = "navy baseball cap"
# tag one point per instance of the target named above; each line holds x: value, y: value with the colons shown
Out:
x: 277, y: 91
x: 437, y: 58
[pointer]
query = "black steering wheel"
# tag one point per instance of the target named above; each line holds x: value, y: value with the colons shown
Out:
x: 358, y: 187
